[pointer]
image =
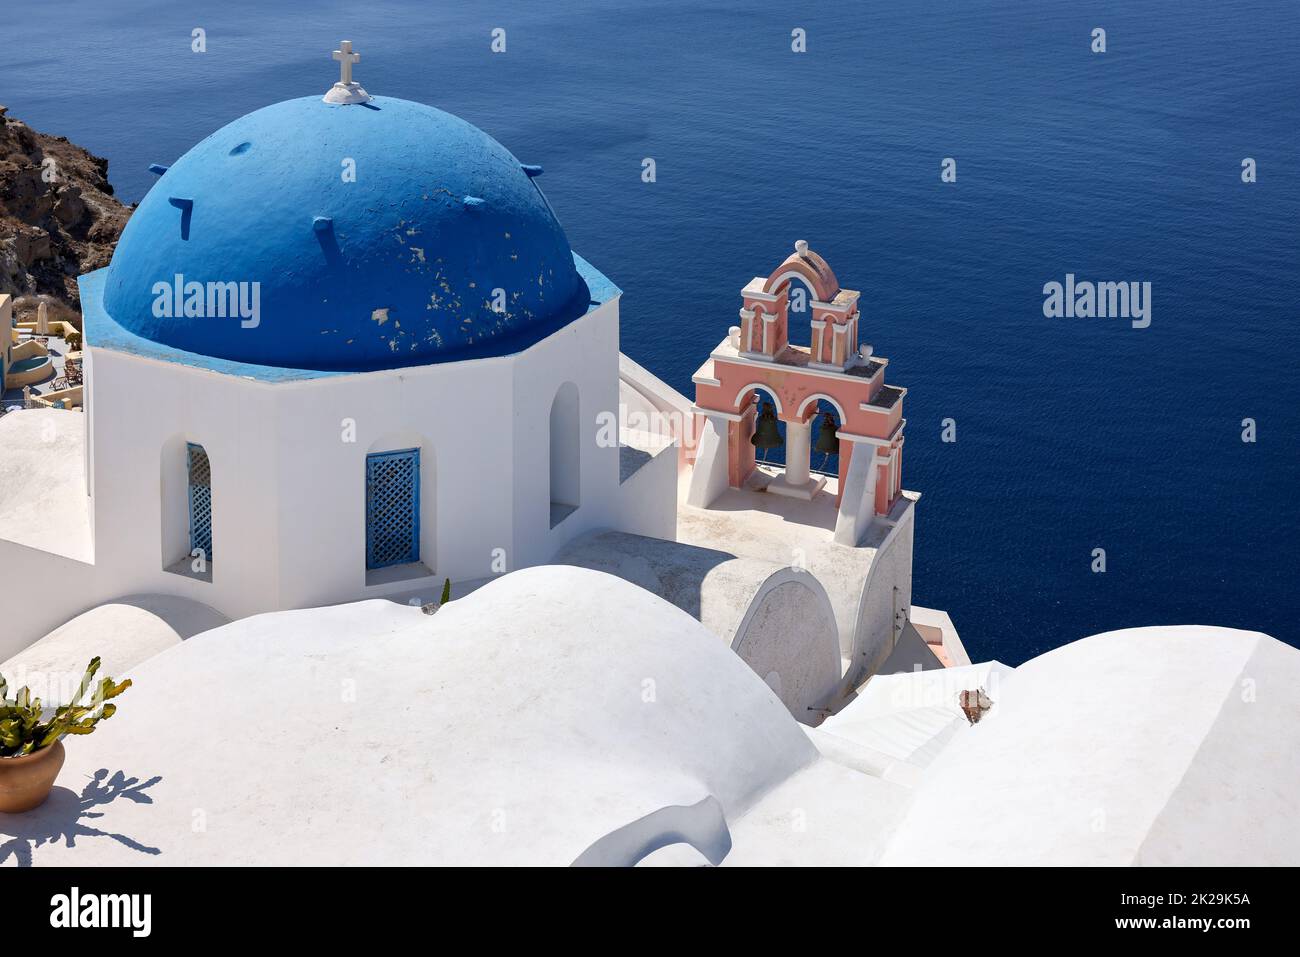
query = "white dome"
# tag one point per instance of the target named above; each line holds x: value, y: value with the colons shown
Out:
x: 518, y: 725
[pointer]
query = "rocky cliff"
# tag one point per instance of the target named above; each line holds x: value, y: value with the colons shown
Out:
x: 58, y: 217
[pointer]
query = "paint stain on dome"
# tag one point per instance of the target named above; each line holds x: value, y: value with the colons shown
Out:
x: 241, y: 149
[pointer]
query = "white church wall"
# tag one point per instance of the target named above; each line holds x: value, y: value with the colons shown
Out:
x: 585, y: 354
x: 145, y: 413
x: 128, y: 436
x: 39, y: 592
x: 46, y: 570
x: 887, y: 592
x: 288, y: 469
x: 88, y: 418
x: 288, y: 474
x: 648, y: 497
x: 451, y: 412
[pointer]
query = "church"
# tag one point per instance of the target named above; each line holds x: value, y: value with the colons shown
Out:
x: 343, y: 354
x: 344, y: 351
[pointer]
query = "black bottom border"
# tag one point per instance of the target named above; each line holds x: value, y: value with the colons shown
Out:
x: 940, y: 905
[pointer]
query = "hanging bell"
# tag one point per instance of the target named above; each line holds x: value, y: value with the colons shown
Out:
x: 827, y: 440
x: 766, y: 434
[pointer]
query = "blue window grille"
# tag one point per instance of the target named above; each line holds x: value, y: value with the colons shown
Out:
x: 392, y: 508
x: 200, y: 484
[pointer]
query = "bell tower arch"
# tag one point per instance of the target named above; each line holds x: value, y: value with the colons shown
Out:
x: 834, y: 372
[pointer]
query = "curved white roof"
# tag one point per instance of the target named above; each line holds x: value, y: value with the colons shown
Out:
x: 123, y: 633
x: 1172, y: 745
x: 560, y: 714
x: 519, y: 724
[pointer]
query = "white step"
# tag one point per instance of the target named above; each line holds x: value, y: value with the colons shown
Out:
x: 916, y: 735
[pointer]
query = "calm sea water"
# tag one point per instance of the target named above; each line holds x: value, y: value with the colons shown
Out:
x: 1071, y: 434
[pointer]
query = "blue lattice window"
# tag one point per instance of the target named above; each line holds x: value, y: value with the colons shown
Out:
x: 392, y: 508
x: 200, y: 489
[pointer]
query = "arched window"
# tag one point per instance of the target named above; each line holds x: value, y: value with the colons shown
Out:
x: 392, y: 508
x: 799, y: 313
x: 566, y: 454
x: 186, y: 519
x: 765, y: 453
x: 825, y: 440
x: 199, y: 470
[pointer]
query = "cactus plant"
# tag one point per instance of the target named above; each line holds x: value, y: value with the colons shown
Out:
x: 446, y: 592
x: 23, y: 730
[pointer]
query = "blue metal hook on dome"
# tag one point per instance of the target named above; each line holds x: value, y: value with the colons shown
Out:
x: 186, y: 206
x: 323, y: 227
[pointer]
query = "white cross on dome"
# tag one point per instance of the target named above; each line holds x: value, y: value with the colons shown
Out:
x: 346, y: 90
x: 346, y: 58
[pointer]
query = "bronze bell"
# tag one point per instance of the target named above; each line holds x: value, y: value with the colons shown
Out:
x: 766, y: 434
x: 827, y: 440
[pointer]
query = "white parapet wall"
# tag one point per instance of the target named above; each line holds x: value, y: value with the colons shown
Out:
x: 778, y: 619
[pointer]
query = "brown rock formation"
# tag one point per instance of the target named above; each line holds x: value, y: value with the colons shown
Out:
x: 58, y: 217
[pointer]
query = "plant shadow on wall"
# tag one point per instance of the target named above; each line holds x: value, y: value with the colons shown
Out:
x: 66, y: 816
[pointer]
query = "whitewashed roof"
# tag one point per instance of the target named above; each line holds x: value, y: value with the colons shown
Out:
x: 123, y: 634
x: 519, y: 724
x: 1159, y: 746
x: 559, y: 714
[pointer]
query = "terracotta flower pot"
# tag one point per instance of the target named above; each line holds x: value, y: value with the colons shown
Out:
x: 25, y: 782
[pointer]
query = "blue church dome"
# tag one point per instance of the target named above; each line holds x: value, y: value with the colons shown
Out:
x: 357, y: 237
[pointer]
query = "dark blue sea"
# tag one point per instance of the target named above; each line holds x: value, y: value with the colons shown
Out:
x: 1072, y: 434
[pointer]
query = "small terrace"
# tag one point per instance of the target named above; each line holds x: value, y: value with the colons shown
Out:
x: 45, y: 370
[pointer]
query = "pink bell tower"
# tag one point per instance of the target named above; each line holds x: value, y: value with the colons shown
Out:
x: 833, y: 368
